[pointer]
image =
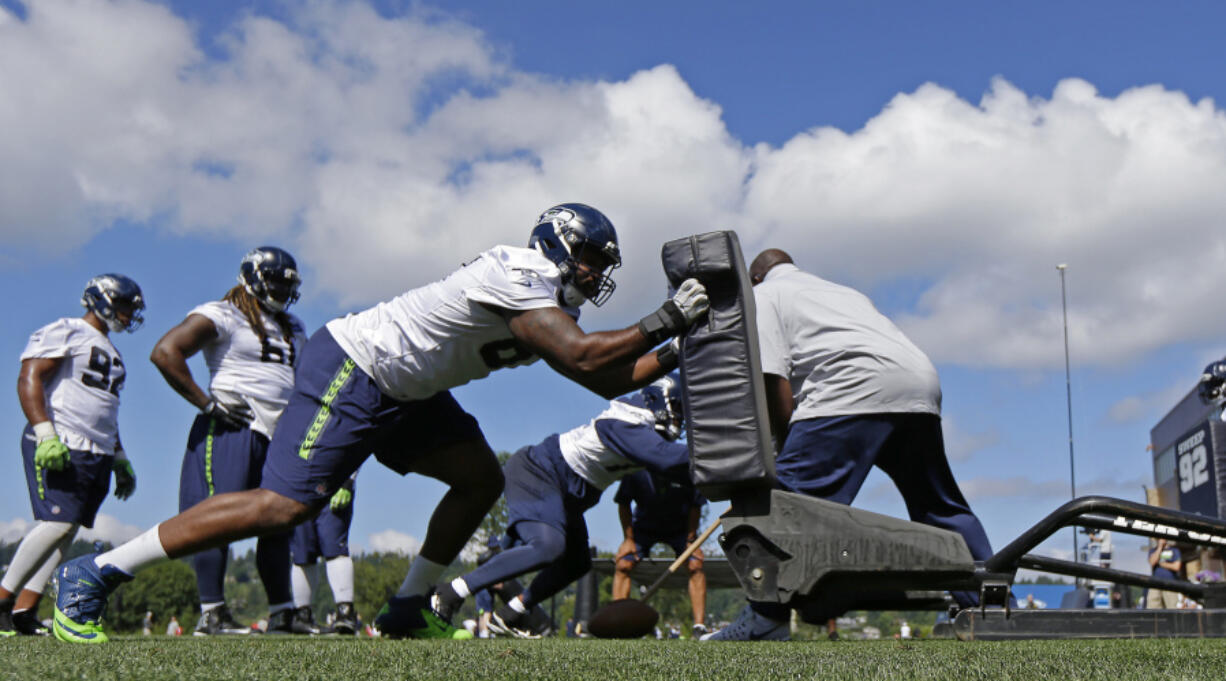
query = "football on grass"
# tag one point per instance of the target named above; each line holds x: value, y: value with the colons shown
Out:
x: 623, y: 618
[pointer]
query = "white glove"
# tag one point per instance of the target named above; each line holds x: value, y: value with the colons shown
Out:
x: 691, y: 300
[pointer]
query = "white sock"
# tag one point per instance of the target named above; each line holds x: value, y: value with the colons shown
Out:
x: 136, y: 554
x: 301, y: 583
x: 423, y: 574
x: 461, y: 587
x: 36, y: 551
x: 205, y: 607
x: 278, y: 607
x: 340, y: 576
x: 39, y: 580
x: 517, y: 604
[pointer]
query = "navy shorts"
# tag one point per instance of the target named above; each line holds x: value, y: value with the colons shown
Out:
x: 541, y: 487
x: 337, y: 417
x: 643, y: 541
x: 324, y: 536
x: 830, y: 457
x: 219, y: 459
x: 72, y: 495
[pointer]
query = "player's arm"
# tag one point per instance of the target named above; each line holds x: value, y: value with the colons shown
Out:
x: 609, y: 363
x: 172, y: 351
x: 31, y: 381
x: 779, y: 406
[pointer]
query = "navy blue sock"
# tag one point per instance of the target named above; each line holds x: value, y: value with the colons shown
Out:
x: 210, y: 568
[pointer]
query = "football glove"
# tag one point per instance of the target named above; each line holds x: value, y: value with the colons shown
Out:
x: 234, y: 416
x: 341, y: 499
x: 51, y: 454
x: 677, y: 314
x: 1211, y: 382
x: 125, y: 478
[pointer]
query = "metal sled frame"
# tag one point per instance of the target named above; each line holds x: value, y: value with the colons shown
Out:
x: 824, y: 559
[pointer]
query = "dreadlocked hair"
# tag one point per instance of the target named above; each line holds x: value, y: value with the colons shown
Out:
x: 251, y: 309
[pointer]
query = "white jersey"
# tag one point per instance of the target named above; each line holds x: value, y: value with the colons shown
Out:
x: 589, y: 456
x: 83, y: 395
x: 442, y: 335
x: 840, y: 354
x: 245, y: 370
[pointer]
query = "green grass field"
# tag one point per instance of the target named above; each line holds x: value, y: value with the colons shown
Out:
x: 264, y: 658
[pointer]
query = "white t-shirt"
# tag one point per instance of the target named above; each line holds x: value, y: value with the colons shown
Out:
x: 589, y: 456
x: 244, y: 370
x: 83, y: 395
x: 840, y: 354
x: 440, y: 336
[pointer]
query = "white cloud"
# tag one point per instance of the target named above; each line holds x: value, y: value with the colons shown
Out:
x: 961, y: 445
x: 106, y: 528
x: 407, y: 140
x: 12, y: 531
x: 393, y: 541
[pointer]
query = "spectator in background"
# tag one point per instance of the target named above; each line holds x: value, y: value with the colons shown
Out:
x: 173, y: 628
x: 146, y: 627
x: 1167, y: 562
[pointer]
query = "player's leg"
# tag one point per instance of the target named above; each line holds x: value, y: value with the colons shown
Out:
x: 333, y: 532
x: 536, y: 516
x: 213, y: 463
x: 828, y: 458
x: 698, y: 590
x: 915, y: 460
x: 622, y: 568
x: 30, y: 568
x: 437, y: 438
x: 515, y: 617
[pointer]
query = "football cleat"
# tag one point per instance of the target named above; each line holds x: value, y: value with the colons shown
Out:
x: 280, y: 622
x: 304, y: 622
x: 26, y: 623
x: 508, y: 622
x: 750, y: 626
x: 445, y: 601
x: 412, y: 617
x: 6, y: 618
x: 80, y: 600
x: 219, y: 622
x: 346, y: 621
x: 698, y: 631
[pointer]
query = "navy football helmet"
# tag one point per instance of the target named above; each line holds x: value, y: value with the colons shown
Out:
x: 663, y: 399
x: 110, y: 295
x: 271, y: 275
x: 1212, y: 380
x: 566, y: 234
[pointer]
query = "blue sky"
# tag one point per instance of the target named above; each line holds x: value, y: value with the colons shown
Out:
x: 943, y: 158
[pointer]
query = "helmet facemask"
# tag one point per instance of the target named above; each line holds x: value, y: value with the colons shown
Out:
x: 270, y: 275
x: 111, y: 298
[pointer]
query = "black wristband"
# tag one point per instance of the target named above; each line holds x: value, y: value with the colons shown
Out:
x: 667, y: 357
x: 662, y: 324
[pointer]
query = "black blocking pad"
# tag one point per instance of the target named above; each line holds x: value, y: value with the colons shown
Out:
x: 724, y: 396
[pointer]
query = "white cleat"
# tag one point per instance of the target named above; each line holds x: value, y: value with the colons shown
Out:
x: 750, y: 626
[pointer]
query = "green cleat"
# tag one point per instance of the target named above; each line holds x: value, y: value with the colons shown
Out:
x: 412, y: 617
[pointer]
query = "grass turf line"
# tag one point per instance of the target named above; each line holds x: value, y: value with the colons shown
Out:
x: 263, y: 658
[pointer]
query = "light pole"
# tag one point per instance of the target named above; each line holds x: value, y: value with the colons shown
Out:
x: 1068, y: 388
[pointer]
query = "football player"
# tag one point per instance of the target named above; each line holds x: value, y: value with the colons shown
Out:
x: 379, y: 382
x: 71, y: 375
x: 327, y: 536
x: 655, y: 510
x: 551, y: 484
x: 250, y: 344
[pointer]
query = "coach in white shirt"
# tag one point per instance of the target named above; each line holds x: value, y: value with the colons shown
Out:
x: 846, y: 390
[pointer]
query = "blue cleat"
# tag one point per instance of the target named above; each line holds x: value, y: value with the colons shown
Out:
x: 412, y: 617
x: 80, y: 601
